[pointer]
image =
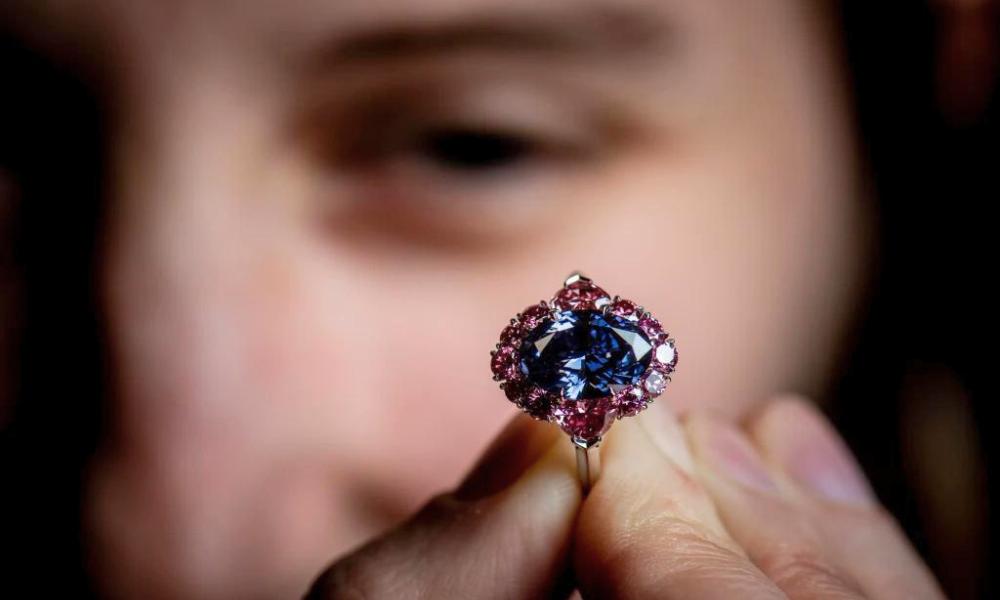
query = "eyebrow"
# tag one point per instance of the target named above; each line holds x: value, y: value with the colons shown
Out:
x: 603, y: 31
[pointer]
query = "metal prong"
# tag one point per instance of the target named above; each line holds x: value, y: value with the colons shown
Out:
x: 574, y: 277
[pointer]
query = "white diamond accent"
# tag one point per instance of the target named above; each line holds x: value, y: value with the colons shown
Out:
x: 655, y: 383
x: 665, y: 354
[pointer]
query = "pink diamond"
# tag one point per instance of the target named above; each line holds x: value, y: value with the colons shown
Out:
x: 505, y: 363
x: 585, y: 420
x: 579, y: 295
x: 537, y: 403
x: 514, y: 390
x: 631, y: 401
x: 624, y: 308
x: 533, y: 315
x: 511, y: 335
x: 651, y: 327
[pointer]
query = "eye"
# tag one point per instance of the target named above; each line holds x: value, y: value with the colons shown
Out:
x: 473, y: 150
x: 477, y: 161
x: 465, y: 148
x: 468, y: 133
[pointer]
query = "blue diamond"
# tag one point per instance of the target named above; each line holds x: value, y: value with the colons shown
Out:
x: 584, y: 354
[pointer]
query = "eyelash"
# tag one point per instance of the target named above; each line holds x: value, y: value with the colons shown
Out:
x: 451, y: 147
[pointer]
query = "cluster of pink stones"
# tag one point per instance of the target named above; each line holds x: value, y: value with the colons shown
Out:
x: 585, y: 420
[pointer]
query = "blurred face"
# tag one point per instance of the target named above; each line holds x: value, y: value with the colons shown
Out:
x: 322, y: 213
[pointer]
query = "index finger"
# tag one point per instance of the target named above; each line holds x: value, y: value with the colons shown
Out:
x: 503, y: 534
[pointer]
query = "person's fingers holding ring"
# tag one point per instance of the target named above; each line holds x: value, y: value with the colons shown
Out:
x: 504, y: 533
x: 649, y: 530
x: 790, y: 494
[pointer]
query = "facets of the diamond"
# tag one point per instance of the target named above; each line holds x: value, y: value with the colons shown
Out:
x: 582, y: 354
x: 655, y: 383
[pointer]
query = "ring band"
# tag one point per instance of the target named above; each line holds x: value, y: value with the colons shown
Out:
x: 588, y: 465
x: 582, y: 360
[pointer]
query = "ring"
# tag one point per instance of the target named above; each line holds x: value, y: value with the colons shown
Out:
x: 582, y: 360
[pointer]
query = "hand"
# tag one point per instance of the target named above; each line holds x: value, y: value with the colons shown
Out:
x: 699, y: 510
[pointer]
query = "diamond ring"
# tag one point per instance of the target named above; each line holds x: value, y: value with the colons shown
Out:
x: 581, y: 360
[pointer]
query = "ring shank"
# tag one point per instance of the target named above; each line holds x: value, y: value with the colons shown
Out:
x: 588, y: 466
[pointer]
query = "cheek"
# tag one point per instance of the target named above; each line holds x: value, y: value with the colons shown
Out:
x: 270, y: 392
x: 231, y: 404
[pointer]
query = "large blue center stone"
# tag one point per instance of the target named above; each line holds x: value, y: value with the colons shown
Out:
x: 584, y: 354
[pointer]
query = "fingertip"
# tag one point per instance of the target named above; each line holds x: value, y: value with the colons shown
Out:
x: 665, y: 430
x: 725, y: 451
x: 798, y: 439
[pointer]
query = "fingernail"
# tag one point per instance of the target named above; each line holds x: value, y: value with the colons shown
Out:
x: 820, y: 461
x: 663, y: 428
x: 729, y: 451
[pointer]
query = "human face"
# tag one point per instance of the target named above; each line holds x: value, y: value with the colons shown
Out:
x: 321, y: 214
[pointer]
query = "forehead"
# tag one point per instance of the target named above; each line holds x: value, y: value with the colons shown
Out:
x: 288, y: 24
x: 350, y: 14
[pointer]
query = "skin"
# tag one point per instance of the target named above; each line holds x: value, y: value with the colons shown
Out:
x: 299, y: 295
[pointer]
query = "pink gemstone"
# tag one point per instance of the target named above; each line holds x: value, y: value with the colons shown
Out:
x: 585, y: 420
x: 537, y: 403
x: 652, y: 328
x: 515, y: 391
x: 511, y: 335
x: 579, y: 295
x: 533, y: 315
x: 631, y: 401
x: 505, y: 363
x: 624, y: 308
